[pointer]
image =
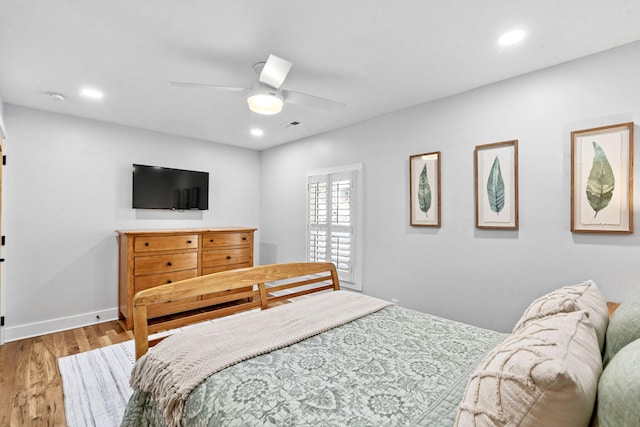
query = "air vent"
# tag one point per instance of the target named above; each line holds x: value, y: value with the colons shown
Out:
x: 291, y: 124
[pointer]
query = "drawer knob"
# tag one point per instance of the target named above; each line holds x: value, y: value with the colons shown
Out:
x: 189, y: 241
x: 146, y: 243
x: 169, y: 281
x: 211, y: 240
x: 169, y: 264
x: 228, y: 256
x: 244, y: 238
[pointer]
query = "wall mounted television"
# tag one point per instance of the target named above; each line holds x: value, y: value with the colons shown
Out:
x: 156, y: 187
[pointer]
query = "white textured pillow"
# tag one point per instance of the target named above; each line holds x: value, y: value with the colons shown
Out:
x: 583, y: 296
x: 545, y: 375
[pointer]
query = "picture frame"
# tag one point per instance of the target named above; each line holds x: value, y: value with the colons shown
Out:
x: 602, y: 179
x: 496, y: 185
x: 424, y: 189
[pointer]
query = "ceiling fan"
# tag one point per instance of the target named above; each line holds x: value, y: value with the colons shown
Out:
x: 266, y: 96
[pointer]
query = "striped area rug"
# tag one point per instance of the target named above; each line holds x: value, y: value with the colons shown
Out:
x: 96, y: 385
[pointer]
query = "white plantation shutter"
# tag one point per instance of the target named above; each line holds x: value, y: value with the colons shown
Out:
x: 317, y: 222
x: 332, y: 220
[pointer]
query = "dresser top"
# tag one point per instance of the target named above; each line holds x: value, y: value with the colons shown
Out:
x: 186, y: 230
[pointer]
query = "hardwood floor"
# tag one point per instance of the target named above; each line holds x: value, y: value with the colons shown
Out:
x: 30, y: 383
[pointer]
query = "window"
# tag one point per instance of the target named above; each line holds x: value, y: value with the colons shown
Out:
x: 334, y: 200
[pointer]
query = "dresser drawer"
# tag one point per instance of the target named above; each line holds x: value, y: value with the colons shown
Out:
x: 213, y: 240
x: 172, y: 307
x: 155, y: 264
x: 226, y: 257
x: 165, y: 243
x: 151, y: 280
x: 225, y: 267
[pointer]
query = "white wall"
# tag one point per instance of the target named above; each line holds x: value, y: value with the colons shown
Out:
x: 481, y: 277
x: 68, y: 188
x: 3, y: 130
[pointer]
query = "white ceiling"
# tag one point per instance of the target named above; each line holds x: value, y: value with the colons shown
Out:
x: 375, y: 56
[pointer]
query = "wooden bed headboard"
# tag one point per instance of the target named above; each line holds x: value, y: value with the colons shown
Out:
x: 239, y: 290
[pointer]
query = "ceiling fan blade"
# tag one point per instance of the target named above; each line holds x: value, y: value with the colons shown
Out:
x: 274, y: 72
x: 208, y: 86
x: 306, y: 100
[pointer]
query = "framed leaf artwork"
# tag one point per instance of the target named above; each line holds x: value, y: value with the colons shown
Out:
x: 602, y: 179
x: 424, y: 189
x: 496, y: 185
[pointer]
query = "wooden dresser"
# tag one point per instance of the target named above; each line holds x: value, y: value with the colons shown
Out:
x: 151, y: 258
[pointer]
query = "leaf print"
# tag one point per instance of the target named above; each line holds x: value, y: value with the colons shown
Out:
x: 601, y: 182
x: 322, y: 399
x: 495, y: 187
x: 424, y: 191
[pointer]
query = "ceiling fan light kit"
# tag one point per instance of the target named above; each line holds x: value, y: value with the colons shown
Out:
x: 265, y: 101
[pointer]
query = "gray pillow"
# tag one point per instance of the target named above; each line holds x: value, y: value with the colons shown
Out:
x: 624, y: 327
x: 619, y: 389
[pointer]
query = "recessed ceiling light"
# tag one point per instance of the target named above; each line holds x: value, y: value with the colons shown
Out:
x: 257, y: 132
x: 511, y: 37
x: 91, y: 93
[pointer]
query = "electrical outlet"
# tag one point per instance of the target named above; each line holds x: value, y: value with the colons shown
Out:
x: 394, y: 301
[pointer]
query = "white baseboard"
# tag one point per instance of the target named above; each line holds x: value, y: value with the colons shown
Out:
x: 19, y: 332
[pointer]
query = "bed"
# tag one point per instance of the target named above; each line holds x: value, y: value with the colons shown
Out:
x: 301, y: 352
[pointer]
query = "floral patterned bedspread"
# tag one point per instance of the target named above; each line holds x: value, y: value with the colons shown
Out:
x: 395, y: 367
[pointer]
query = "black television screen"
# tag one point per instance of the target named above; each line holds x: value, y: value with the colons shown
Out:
x: 157, y: 187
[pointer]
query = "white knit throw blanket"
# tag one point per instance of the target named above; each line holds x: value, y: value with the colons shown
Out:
x: 174, y: 367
